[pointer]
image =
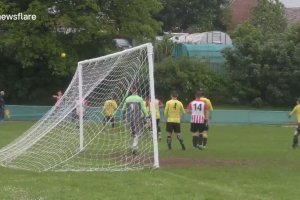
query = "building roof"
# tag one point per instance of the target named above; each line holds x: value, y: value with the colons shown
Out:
x: 293, y: 15
x: 241, y: 10
x: 212, y: 37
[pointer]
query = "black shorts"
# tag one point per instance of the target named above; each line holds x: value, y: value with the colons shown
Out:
x: 196, y: 127
x: 173, y: 127
x: 109, y: 119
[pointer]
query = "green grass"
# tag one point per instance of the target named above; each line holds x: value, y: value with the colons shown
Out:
x: 241, y: 163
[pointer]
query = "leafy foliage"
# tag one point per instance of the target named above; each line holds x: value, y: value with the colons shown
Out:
x: 269, y: 16
x: 264, y: 68
x: 30, y: 50
x: 187, y: 75
x: 264, y: 65
x: 193, y: 15
x: 163, y: 49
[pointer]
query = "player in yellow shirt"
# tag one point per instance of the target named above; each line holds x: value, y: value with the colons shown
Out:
x: 296, y: 110
x: 109, y: 108
x: 204, y: 135
x: 158, y: 105
x: 173, y: 112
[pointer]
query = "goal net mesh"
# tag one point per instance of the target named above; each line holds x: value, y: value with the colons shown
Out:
x: 54, y: 142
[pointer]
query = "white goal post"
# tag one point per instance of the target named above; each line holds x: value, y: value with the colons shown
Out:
x: 87, y: 129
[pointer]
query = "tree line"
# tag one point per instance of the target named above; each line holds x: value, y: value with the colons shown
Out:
x: 262, y: 68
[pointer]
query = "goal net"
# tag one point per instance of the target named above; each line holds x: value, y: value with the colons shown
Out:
x: 83, y: 133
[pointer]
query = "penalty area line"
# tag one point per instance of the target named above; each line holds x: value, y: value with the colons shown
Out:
x: 218, y: 187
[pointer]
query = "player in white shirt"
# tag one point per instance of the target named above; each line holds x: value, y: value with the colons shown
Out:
x: 199, y: 116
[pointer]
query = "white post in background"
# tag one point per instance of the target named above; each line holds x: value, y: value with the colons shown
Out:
x: 152, y: 104
x: 80, y: 104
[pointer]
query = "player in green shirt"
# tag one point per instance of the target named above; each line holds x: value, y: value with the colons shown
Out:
x: 135, y: 111
x: 296, y: 110
x: 173, y: 112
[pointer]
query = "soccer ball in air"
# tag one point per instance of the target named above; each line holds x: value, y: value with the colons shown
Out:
x: 63, y: 55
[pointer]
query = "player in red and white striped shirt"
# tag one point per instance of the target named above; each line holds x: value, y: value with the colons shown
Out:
x: 199, y: 116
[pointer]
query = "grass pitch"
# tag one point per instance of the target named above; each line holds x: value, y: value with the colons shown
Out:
x: 242, y: 162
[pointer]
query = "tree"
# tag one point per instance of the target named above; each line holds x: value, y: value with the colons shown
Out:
x: 269, y: 16
x: 264, y: 68
x: 188, y: 75
x: 163, y: 49
x: 192, y: 15
x: 80, y: 29
x: 264, y: 62
x: 132, y: 18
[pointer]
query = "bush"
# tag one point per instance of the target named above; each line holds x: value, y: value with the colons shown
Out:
x: 188, y: 75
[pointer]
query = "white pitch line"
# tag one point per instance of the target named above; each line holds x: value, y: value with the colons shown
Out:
x: 227, y: 190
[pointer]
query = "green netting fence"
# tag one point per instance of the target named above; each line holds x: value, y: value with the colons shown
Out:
x: 33, y: 113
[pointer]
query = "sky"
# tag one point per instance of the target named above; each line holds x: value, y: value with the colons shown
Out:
x: 291, y: 3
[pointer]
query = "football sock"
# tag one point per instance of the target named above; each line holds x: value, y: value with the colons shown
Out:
x: 200, y: 139
x: 169, y: 142
x: 204, y: 141
x: 181, y: 141
x: 295, y: 140
x: 180, y: 138
x: 195, y: 141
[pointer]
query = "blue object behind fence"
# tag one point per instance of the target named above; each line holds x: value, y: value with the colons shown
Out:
x: 34, y: 113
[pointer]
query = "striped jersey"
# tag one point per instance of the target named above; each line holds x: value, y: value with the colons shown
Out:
x: 197, y: 108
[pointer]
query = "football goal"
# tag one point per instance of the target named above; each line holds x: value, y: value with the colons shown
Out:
x: 81, y: 133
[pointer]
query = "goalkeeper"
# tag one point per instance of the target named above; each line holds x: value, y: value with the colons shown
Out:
x: 135, y: 110
x: 296, y: 110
